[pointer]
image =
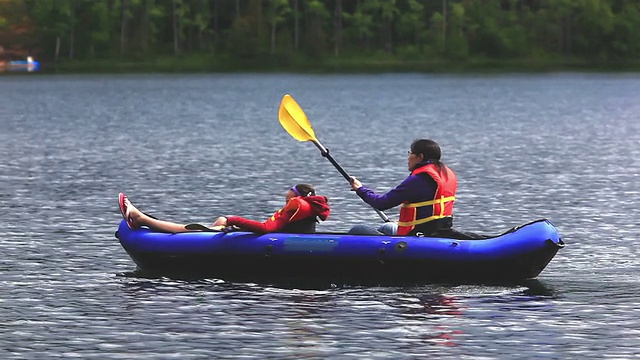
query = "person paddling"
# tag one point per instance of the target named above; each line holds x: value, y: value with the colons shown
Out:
x: 300, y: 214
x: 426, y: 197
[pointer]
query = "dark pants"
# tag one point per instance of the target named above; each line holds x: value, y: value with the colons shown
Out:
x: 388, y: 228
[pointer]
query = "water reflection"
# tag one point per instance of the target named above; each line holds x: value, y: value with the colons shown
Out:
x: 312, y: 320
x: 441, y: 304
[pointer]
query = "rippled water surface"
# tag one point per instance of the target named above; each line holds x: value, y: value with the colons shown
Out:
x: 191, y: 147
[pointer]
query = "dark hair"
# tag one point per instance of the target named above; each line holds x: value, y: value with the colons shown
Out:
x: 429, y: 149
x: 304, y: 190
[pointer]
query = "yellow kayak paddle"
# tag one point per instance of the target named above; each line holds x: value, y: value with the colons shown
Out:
x: 295, y: 122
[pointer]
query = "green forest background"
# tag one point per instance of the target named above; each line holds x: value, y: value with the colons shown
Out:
x: 322, y: 35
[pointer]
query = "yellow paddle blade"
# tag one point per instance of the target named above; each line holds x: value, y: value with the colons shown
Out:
x: 293, y: 119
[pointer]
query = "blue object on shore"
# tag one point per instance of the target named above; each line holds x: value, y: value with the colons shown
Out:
x: 23, y: 65
x: 518, y: 254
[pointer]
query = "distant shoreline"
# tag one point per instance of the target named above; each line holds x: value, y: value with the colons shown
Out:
x: 210, y: 64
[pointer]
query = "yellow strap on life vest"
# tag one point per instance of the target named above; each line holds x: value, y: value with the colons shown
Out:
x: 442, y: 200
x: 290, y: 206
x: 420, y: 221
x: 273, y: 217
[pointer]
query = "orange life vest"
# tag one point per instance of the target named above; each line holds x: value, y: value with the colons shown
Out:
x: 301, y: 207
x: 441, y: 206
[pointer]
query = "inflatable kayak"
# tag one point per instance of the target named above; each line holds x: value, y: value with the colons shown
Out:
x: 520, y: 253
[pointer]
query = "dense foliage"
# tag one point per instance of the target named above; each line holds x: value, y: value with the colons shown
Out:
x: 290, y: 31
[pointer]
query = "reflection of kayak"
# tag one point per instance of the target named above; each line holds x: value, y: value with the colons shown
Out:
x: 520, y: 253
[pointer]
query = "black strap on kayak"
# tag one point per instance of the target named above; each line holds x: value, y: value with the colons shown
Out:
x: 199, y: 227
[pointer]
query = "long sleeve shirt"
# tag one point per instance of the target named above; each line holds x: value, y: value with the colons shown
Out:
x: 414, y: 188
x: 282, y: 217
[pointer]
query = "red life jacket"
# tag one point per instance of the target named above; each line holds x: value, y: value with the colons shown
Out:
x: 302, y: 216
x: 298, y: 204
x: 412, y: 214
x: 297, y: 216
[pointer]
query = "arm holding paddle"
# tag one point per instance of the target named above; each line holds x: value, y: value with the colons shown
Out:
x: 394, y: 197
x: 355, y: 184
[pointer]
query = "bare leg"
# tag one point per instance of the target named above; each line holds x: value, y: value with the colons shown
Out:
x: 140, y: 219
x: 220, y: 222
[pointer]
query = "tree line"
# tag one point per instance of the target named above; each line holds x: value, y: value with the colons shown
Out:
x: 411, y: 30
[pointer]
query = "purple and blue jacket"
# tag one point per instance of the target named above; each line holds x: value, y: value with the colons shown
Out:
x: 415, y: 188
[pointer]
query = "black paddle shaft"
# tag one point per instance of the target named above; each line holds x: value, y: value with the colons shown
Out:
x: 325, y: 152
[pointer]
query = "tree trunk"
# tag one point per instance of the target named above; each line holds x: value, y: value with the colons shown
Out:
x: 216, y: 27
x: 296, y: 26
x: 338, y: 28
x: 123, y: 25
x: 176, y: 48
x: 71, y: 31
x: 273, y: 38
x: 444, y: 26
x: 216, y: 22
x: 568, y: 35
x: 57, y: 49
x: 362, y: 41
x: 144, y: 32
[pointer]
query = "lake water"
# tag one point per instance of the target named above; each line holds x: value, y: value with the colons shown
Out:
x: 191, y: 147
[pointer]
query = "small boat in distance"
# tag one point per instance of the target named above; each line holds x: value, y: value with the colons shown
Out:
x: 28, y: 65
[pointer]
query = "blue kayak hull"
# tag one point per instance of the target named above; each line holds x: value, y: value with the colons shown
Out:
x: 518, y: 254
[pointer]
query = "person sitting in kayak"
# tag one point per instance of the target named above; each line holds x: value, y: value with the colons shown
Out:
x: 426, y: 197
x: 300, y: 214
